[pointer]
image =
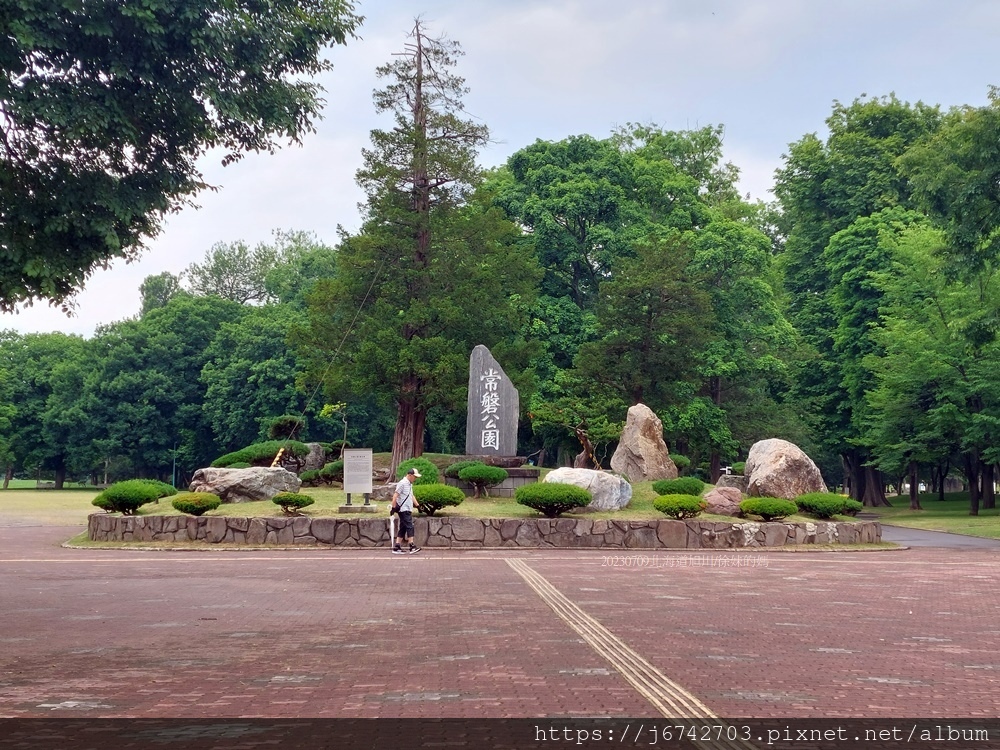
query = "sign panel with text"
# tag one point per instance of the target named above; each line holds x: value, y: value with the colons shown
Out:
x: 358, y: 470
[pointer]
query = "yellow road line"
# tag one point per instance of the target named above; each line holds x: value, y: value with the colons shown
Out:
x: 668, y: 697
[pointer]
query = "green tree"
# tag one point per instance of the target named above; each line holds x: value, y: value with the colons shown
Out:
x: 157, y: 290
x: 824, y: 187
x: 106, y: 107
x: 432, y: 273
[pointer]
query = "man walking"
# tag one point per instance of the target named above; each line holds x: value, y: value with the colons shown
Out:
x: 403, y: 502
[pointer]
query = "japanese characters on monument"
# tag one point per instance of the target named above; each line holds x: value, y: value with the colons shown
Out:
x: 491, y: 424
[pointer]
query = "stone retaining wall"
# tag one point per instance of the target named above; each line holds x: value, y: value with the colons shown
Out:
x: 460, y: 532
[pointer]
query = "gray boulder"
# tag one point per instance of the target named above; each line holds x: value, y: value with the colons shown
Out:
x: 777, y: 468
x: 642, y: 454
x: 737, y: 481
x: 608, y: 492
x: 245, y: 485
x: 316, y: 459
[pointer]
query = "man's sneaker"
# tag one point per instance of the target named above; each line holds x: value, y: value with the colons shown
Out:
x: 414, y: 550
x: 397, y: 550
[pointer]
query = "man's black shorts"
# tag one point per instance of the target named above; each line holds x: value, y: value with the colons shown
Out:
x: 405, y: 524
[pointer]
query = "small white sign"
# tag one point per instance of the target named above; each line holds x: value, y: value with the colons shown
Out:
x: 358, y: 470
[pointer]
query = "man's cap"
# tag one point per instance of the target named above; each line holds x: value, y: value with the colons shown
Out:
x: 414, y: 472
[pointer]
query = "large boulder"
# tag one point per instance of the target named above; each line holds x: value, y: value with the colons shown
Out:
x: 777, y: 468
x: 738, y: 481
x: 245, y: 485
x: 642, y: 454
x: 607, y: 491
x: 723, y: 501
x: 316, y: 459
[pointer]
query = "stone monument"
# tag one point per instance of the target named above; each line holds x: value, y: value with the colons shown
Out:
x: 494, y: 406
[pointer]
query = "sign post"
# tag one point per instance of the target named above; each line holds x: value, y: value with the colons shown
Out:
x: 358, y: 478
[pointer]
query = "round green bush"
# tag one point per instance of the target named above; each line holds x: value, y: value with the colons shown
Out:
x: 333, y: 471
x: 681, y: 462
x: 164, y: 489
x: 552, y: 498
x: 739, y: 467
x: 682, y: 486
x: 428, y: 471
x: 128, y: 496
x: 482, y: 476
x: 287, y: 426
x: 680, y: 506
x: 434, y: 497
x: 821, y: 504
x: 453, y: 470
x: 768, y: 508
x: 292, y: 502
x: 196, y: 503
x: 852, y: 507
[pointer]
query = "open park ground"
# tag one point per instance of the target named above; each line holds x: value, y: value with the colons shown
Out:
x: 568, y: 635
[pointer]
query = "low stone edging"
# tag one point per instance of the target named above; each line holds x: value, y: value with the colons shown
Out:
x: 463, y: 532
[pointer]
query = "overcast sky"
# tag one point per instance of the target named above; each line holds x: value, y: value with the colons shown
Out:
x: 767, y: 70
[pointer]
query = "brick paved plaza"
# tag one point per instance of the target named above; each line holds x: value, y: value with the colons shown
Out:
x: 322, y: 633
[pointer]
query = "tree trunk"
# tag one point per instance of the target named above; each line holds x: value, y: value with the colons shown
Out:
x: 988, y: 492
x: 874, y: 492
x: 408, y: 438
x: 854, y: 475
x: 972, y: 477
x: 715, y: 466
x: 914, y: 487
x: 7, y: 476
x: 60, y: 477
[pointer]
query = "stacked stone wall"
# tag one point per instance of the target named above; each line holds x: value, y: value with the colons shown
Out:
x: 464, y: 533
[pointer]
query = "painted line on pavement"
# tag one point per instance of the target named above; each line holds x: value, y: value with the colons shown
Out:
x: 668, y: 697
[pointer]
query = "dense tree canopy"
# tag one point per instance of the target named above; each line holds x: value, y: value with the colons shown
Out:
x: 106, y: 106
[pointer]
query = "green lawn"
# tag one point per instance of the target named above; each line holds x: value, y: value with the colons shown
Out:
x: 67, y: 507
x: 951, y: 514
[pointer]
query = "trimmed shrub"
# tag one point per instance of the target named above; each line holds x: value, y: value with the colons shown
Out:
x: 820, y: 504
x: 739, y: 467
x: 434, y: 497
x: 852, y: 507
x: 261, y: 454
x: 238, y: 465
x: 482, y: 477
x: 768, y: 508
x: 428, y: 471
x: 683, y: 463
x: 332, y: 472
x: 310, y: 478
x: 128, y: 496
x: 680, y: 506
x: 552, y: 498
x: 827, y: 504
x: 682, y: 486
x: 286, y: 427
x: 164, y: 489
x: 196, y: 503
x: 453, y: 470
x: 292, y: 502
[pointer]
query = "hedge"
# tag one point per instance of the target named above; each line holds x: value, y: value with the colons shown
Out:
x: 552, y: 498
x: 434, y: 497
x: 827, y: 504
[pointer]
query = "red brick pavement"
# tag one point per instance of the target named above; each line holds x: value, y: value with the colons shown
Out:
x: 321, y: 633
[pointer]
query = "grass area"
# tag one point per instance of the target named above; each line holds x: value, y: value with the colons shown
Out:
x: 46, y: 507
x: 950, y: 514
